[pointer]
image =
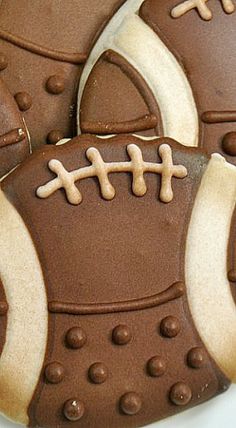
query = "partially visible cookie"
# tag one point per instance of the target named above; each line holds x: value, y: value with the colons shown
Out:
x: 165, y: 68
x: 43, y: 48
x: 14, y: 142
x: 113, y: 261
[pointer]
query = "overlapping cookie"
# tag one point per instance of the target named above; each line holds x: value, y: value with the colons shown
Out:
x: 115, y: 306
x: 165, y: 68
x: 43, y: 47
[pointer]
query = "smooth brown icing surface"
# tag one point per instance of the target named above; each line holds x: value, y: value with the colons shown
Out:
x: 125, y: 368
x: 204, y: 50
x: 208, y: 66
x: 14, y: 145
x: 113, y: 83
x: 213, y: 86
x: 43, y: 46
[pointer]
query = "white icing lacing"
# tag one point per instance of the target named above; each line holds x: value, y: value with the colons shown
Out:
x: 100, y: 169
x: 202, y: 8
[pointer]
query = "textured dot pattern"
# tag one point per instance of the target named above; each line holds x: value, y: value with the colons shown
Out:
x: 23, y: 100
x: 55, y: 84
x: 170, y: 327
x: 73, y: 410
x: 121, y: 335
x: 229, y: 144
x: 180, y: 394
x: 98, y: 373
x: 76, y: 338
x: 130, y: 403
x: 156, y: 366
x: 196, y: 358
x: 54, y: 372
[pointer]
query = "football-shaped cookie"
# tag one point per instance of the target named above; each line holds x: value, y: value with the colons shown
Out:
x: 165, y: 67
x: 116, y: 308
x: 43, y: 47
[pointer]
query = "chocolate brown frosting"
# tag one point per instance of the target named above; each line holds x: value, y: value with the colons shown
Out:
x: 3, y: 316
x: 204, y: 50
x: 14, y: 144
x: 43, y: 46
x: 123, y: 365
x: 118, y: 84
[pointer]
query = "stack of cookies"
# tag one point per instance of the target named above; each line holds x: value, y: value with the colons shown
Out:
x: 117, y: 209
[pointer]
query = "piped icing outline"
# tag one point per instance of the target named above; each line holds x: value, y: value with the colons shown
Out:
x: 204, y: 11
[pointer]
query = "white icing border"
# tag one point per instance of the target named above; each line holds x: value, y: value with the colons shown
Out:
x: 208, y: 289
x: 128, y: 35
x: 27, y: 319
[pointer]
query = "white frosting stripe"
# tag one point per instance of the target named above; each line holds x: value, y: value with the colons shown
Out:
x: 209, y: 295
x: 139, y: 45
x: 128, y: 35
x: 27, y: 328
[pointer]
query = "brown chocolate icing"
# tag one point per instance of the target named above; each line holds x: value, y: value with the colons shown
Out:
x: 73, y: 410
x: 196, y: 358
x: 172, y: 293
x: 98, y: 373
x: 3, y: 62
x: 12, y: 137
x: 232, y: 256
x: 156, y: 366
x: 202, y: 50
x: 54, y: 373
x: 180, y: 394
x: 229, y: 143
x: 14, y: 145
x: 76, y: 338
x: 43, y: 46
x: 3, y: 316
x: 119, y: 368
x: 219, y: 116
x: 122, y: 85
x: 211, y: 81
x: 23, y: 100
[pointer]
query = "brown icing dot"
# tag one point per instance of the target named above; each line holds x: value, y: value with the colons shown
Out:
x: 54, y: 372
x: 54, y: 136
x: 180, y: 394
x: 3, y: 62
x: 76, y: 338
x: 3, y: 308
x: 232, y: 275
x: 73, y: 409
x: 98, y: 373
x: 121, y: 335
x: 55, y: 84
x: 130, y: 403
x: 156, y: 366
x: 170, y: 327
x: 23, y: 100
x: 196, y: 358
x: 229, y: 143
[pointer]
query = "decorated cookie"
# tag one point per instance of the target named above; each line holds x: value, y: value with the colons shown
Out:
x: 165, y: 68
x: 43, y: 47
x: 14, y: 142
x: 116, y: 307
